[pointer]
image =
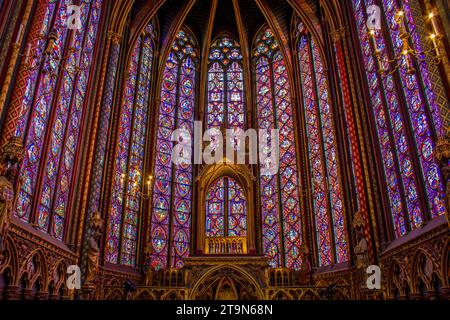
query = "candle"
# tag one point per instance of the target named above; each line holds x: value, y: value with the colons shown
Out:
x: 373, y: 40
x: 435, y: 34
x: 19, y: 34
x: 433, y: 38
x: 375, y: 47
x: 401, y: 22
x: 433, y: 23
x: 27, y: 55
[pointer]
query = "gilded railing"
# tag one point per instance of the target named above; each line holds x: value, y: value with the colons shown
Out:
x: 226, y: 245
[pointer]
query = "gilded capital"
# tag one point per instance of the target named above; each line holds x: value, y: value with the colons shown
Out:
x: 337, y: 34
x: 114, y: 37
x: 442, y: 149
x: 12, y: 151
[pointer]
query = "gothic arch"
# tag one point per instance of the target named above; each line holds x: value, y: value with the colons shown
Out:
x: 445, y: 263
x: 274, y: 24
x: 244, y: 177
x: 116, y: 294
x: 398, y: 280
x: 166, y: 43
x: 341, y: 295
x: 10, y: 259
x: 172, y: 295
x: 135, y: 37
x: 309, y: 294
x: 282, y: 295
x: 205, y: 69
x: 142, y: 18
x: 57, y: 277
x: 226, y: 283
x: 9, y: 267
x: 424, y: 272
x: 284, y: 48
x: 308, y: 15
x: 145, y: 294
x: 203, y: 285
x: 333, y: 14
x: 35, y: 268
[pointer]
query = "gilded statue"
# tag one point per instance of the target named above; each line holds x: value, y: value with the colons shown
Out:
x: 11, y: 155
x: 93, y: 254
x: 361, y: 249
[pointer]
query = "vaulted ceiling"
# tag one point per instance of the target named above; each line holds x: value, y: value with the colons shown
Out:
x: 199, y: 14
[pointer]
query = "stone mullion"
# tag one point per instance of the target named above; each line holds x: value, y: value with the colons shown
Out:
x: 342, y: 156
x: 355, y: 147
x: 144, y: 241
x: 98, y: 150
x: 303, y: 164
x: 378, y: 209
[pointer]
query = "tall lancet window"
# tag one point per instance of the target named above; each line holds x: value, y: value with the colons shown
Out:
x: 172, y: 196
x: 281, y: 215
x: 51, y: 114
x: 329, y: 222
x: 225, y: 85
x: 124, y: 217
x: 406, y: 114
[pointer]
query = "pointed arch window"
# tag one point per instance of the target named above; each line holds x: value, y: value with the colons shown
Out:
x: 172, y: 196
x: 123, y: 225
x: 226, y: 209
x: 281, y: 213
x: 329, y: 221
x: 406, y: 117
x: 52, y: 112
x: 225, y: 85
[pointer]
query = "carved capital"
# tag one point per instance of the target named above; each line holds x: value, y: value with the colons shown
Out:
x: 338, y: 34
x: 114, y: 37
x: 358, y: 221
x: 442, y: 150
x: 96, y: 223
x: 12, y: 151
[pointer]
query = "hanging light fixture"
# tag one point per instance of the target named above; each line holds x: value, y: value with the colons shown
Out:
x: 407, y: 52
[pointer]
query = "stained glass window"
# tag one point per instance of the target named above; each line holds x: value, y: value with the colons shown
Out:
x: 128, y: 178
x: 407, y: 120
x: 172, y: 196
x: 51, y: 114
x: 326, y: 190
x: 281, y: 215
x: 225, y: 85
x: 226, y: 209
